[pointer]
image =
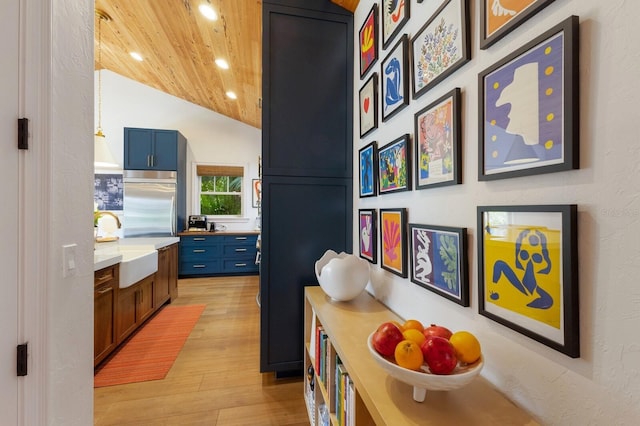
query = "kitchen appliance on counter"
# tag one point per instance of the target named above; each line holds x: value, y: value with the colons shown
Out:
x: 197, y: 222
x: 153, y: 206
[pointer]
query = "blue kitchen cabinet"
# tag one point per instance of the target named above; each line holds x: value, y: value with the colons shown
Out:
x: 153, y: 149
x: 218, y: 254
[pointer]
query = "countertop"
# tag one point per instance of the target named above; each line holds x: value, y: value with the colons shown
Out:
x: 189, y: 233
x: 108, y: 254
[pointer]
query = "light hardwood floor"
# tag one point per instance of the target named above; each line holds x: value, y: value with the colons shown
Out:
x: 216, y: 379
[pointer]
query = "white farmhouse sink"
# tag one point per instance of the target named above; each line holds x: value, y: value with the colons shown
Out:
x: 137, y: 263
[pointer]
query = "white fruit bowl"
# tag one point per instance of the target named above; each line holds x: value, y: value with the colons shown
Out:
x: 342, y: 276
x: 424, y: 380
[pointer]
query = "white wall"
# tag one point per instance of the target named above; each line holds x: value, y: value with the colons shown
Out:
x: 603, y: 385
x: 212, y: 138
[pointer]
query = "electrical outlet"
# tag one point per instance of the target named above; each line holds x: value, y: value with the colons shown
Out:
x: 69, y: 260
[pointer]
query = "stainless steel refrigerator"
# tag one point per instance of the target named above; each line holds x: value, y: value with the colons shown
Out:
x: 152, y: 204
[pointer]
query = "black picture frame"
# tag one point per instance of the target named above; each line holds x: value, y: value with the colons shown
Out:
x: 528, y: 110
x: 505, y: 20
x: 439, y: 261
x: 395, y: 83
x: 431, y: 61
x: 368, y: 170
x: 368, y: 234
x: 528, y: 272
x: 394, y: 166
x: 368, y: 100
x: 393, y: 241
x: 368, y: 41
x: 438, y: 142
x: 391, y: 27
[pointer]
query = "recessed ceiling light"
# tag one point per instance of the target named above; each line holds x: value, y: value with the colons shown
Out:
x: 232, y: 95
x: 208, y: 12
x: 136, y: 56
x: 222, y: 64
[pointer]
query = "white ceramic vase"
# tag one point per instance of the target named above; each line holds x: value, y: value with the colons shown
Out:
x: 342, y: 276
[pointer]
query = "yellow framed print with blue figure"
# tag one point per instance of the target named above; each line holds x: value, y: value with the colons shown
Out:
x: 529, y: 108
x: 528, y: 272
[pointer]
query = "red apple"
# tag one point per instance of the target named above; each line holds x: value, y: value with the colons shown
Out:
x: 386, y: 338
x: 439, y: 354
x: 437, y: 330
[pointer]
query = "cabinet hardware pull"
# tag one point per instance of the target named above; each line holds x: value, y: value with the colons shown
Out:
x: 199, y: 250
x: 241, y: 238
x: 105, y: 290
x: 241, y: 249
x: 198, y: 239
x: 240, y: 264
x: 199, y: 266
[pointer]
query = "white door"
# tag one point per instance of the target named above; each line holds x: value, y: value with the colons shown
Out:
x: 8, y: 210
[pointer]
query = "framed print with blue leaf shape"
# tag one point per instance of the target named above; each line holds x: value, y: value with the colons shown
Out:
x: 439, y: 260
x: 368, y: 170
x: 395, y: 86
x: 529, y: 108
x: 528, y: 272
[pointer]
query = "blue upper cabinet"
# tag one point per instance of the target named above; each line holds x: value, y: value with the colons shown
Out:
x: 151, y: 149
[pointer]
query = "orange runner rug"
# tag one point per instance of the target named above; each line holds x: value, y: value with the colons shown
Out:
x: 150, y: 353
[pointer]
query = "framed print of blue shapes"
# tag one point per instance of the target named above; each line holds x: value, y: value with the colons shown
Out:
x: 395, y: 86
x: 441, y: 46
x: 529, y: 108
x: 528, y: 272
x: 368, y: 231
x: 394, y: 166
x: 108, y: 191
x: 395, y: 14
x: 369, y: 106
x: 368, y: 36
x: 368, y: 170
x: 499, y: 17
x: 438, y: 142
x: 439, y: 260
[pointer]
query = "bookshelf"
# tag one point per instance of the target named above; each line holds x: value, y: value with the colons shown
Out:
x: 376, y: 398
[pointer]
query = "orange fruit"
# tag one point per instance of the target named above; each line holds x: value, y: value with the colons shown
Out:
x: 414, y: 335
x: 409, y: 355
x: 412, y: 324
x: 466, y: 345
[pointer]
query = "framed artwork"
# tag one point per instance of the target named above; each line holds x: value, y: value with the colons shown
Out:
x: 369, y: 41
x: 441, y: 46
x: 499, y: 17
x: 369, y: 106
x: 256, y: 199
x: 395, y: 14
x: 439, y: 260
x: 395, y: 86
x: 438, y: 142
x: 529, y: 108
x: 393, y: 238
x: 368, y: 171
x: 368, y: 235
x: 108, y: 191
x: 394, y: 167
x: 528, y: 272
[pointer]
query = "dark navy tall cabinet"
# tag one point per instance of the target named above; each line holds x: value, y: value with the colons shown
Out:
x: 307, y: 150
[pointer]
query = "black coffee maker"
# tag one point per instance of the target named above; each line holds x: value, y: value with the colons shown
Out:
x: 197, y: 222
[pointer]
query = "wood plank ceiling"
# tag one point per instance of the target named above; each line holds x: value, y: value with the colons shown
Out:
x: 179, y: 47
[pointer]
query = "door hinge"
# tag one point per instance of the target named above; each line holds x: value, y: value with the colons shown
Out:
x: 21, y: 365
x: 23, y: 133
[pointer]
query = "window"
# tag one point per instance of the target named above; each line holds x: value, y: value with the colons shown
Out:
x: 220, y: 190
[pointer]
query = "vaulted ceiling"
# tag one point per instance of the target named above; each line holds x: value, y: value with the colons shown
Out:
x: 179, y: 46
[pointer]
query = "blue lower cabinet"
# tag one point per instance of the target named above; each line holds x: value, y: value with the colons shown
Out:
x: 211, y: 255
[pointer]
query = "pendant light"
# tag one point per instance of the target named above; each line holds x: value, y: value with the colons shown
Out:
x: 103, y: 158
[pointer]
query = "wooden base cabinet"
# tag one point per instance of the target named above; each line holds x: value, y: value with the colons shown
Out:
x: 376, y: 398
x: 104, y: 316
x: 135, y: 305
x: 164, y: 276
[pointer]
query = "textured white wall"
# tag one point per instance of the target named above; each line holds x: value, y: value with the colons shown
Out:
x: 603, y: 385
x: 212, y: 137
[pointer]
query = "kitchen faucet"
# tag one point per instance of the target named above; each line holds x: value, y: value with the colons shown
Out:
x: 98, y: 215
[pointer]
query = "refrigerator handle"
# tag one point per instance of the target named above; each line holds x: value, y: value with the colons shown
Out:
x: 173, y: 217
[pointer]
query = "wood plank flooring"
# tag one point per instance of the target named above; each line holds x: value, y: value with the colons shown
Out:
x: 216, y: 379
